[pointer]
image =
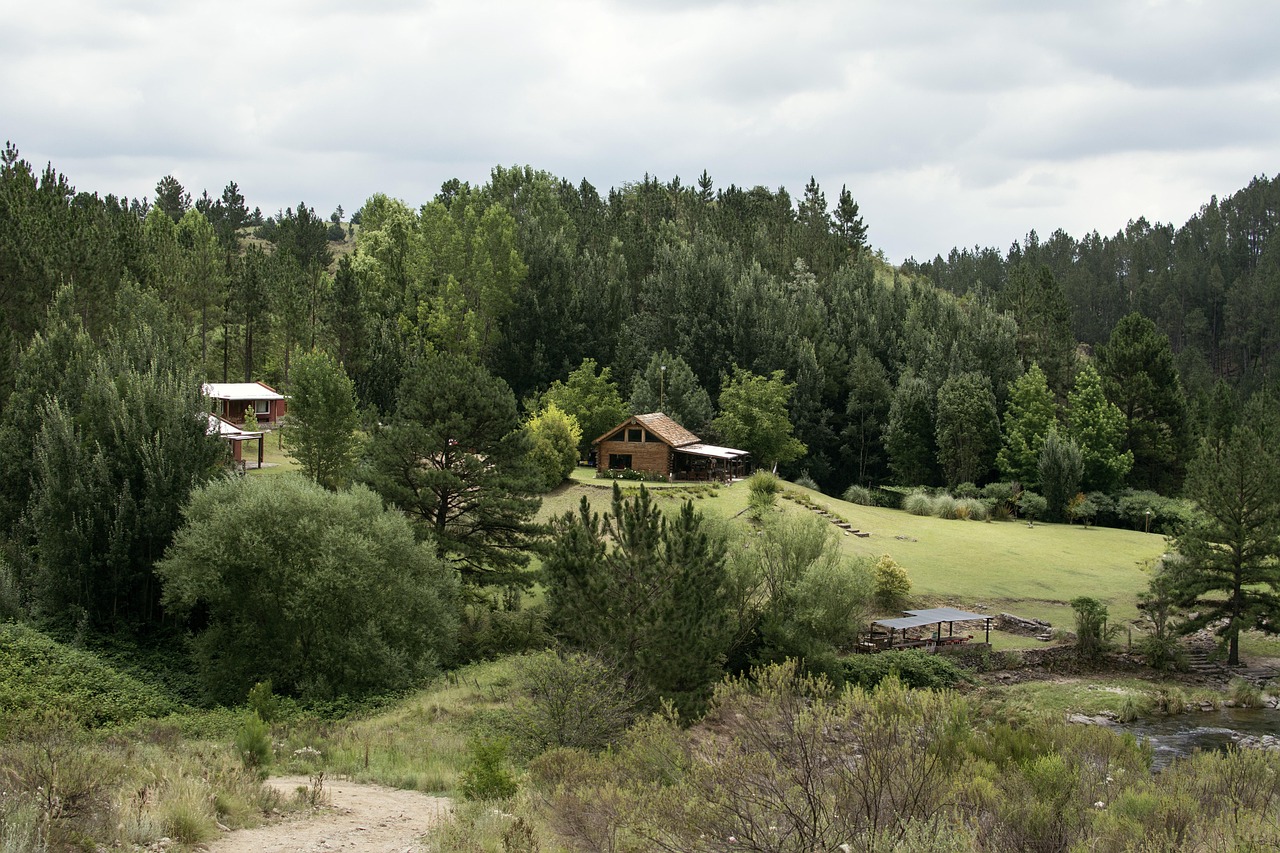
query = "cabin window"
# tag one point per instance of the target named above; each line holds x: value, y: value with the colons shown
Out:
x: 651, y: 438
x: 620, y: 435
x: 636, y: 435
x: 619, y: 461
x: 262, y: 407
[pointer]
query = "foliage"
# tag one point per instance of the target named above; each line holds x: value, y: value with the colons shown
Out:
x: 1091, y: 626
x: 454, y: 459
x: 485, y: 777
x: 918, y: 503
x: 253, y: 744
x: 325, y: 594
x: 764, y: 488
x: 1231, y: 569
x: 1082, y: 507
x: 910, y: 436
x: 753, y: 416
x: 669, y: 385
x: 1033, y: 506
x: 1098, y: 427
x: 892, y: 584
x: 553, y: 438
x: 37, y: 672
x: 569, y: 700
x: 1061, y: 468
x: 108, y: 442
x: 591, y: 398
x: 642, y: 591
x: 968, y: 432
x: 322, y: 420
x: 860, y: 495
x: 1139, y: 376
x: 1028, y: 419
x: 912, y: 667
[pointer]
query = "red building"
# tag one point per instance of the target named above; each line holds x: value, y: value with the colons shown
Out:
x: 231, y: 401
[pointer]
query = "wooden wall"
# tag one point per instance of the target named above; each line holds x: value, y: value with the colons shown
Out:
x: 645, y: 455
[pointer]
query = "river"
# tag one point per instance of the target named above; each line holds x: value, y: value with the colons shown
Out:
x: 1181, y: 734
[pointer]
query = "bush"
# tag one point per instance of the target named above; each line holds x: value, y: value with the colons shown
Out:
x: 253, y: 744
x: 1092, y: 636
x: 967, y: 490
x: 918, y: 503
x: 860, y: 495
x: 572, y: 700
x: 892, y: 583
x: 944, y: 506
x: 806, y: 482
x: 912, y: 667
x: 485, y: 777
x: 974, y: 509
x: 1033, y: 506
x: 1001, y: 498
x: 764, y: 488
x: 1243, y: 693
x: 1167, y: 515
x: 633, y: 475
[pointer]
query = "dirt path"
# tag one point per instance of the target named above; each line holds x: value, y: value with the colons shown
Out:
x: 362, y: 818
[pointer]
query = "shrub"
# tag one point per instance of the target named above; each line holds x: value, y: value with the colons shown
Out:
x: 967, y: 490
x: 974, y: 509
x: 1244, y: 693
x: 860, y: 495
x: 1033, y: 506
x: 806, y: 482
x: 573, y: 700
x: 918, y: 503
x: 1133, y: 707
x: 253, y: 744
x: 764, y: 488
x: 1002, y: 498
x: 912, y: 667
x: 892, y: 583
x: 944, y: 506
x: 263, y: 702
x: 485, y: 777
x: 1091, y: 626
x: 1167, y: 515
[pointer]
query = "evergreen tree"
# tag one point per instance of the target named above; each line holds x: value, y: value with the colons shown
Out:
x: 1028, y: 419
x: 1097, y: 427
x: 322, y: 420
x: 867, y: 414
x: 1060, y: 472
x: 968, y: 432
x: 171, y: 198
x: 1230, y: 569
x: 910, y: 436
x: 1139, y: 376
x: 643, y: 592
x: 668, y: 385
x: 456, y: 461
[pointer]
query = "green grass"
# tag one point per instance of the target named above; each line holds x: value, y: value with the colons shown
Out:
x: 1032, y: 572
x: 1096, y: 695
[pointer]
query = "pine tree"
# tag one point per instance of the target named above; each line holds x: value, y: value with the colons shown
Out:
x: 1097, y: 428
x: 1029, y: 417
x: 1230, y: 569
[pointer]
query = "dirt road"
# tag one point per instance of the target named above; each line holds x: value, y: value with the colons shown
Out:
x: 361, y: 818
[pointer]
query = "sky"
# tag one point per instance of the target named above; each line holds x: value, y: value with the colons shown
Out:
x: 952, y: 122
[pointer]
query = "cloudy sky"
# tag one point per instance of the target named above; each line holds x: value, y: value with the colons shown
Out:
x: 952, y: 122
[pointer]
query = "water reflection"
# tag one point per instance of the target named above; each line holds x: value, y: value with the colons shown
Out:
x: 1182, y: 734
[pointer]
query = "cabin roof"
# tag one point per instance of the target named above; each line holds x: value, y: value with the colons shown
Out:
x: 240, y: 391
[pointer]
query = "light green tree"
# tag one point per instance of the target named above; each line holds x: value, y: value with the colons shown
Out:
x: 1097, y: 427
x: 1060, y: 471
x: 553, y: 439
x: 1028, y: 418
x: 321, y: 430
x: 753, y: 416
x: 591, y: 398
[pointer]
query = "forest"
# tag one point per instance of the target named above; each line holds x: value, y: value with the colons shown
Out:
x: 449, y: 361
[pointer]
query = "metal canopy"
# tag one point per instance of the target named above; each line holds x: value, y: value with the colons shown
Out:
x: 932, y: 616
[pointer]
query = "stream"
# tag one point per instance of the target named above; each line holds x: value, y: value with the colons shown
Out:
x: 1182, y: 734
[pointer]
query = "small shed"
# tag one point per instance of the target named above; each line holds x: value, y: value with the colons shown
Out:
x: 935, y: 617
x: 657, y: 444
x: 232, y: 401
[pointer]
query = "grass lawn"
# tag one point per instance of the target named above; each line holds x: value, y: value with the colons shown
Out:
x: 1032, y: 572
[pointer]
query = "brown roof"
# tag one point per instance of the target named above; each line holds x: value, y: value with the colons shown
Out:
x: 661, y: 426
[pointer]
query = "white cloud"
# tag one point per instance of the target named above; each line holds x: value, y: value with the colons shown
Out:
x: 951, y: 123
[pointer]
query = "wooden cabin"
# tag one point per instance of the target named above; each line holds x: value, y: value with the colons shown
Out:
x: 658, y: 445
x: 232, y: 401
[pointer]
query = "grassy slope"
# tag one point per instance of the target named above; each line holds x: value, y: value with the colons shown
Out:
x: 1032, y: 572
